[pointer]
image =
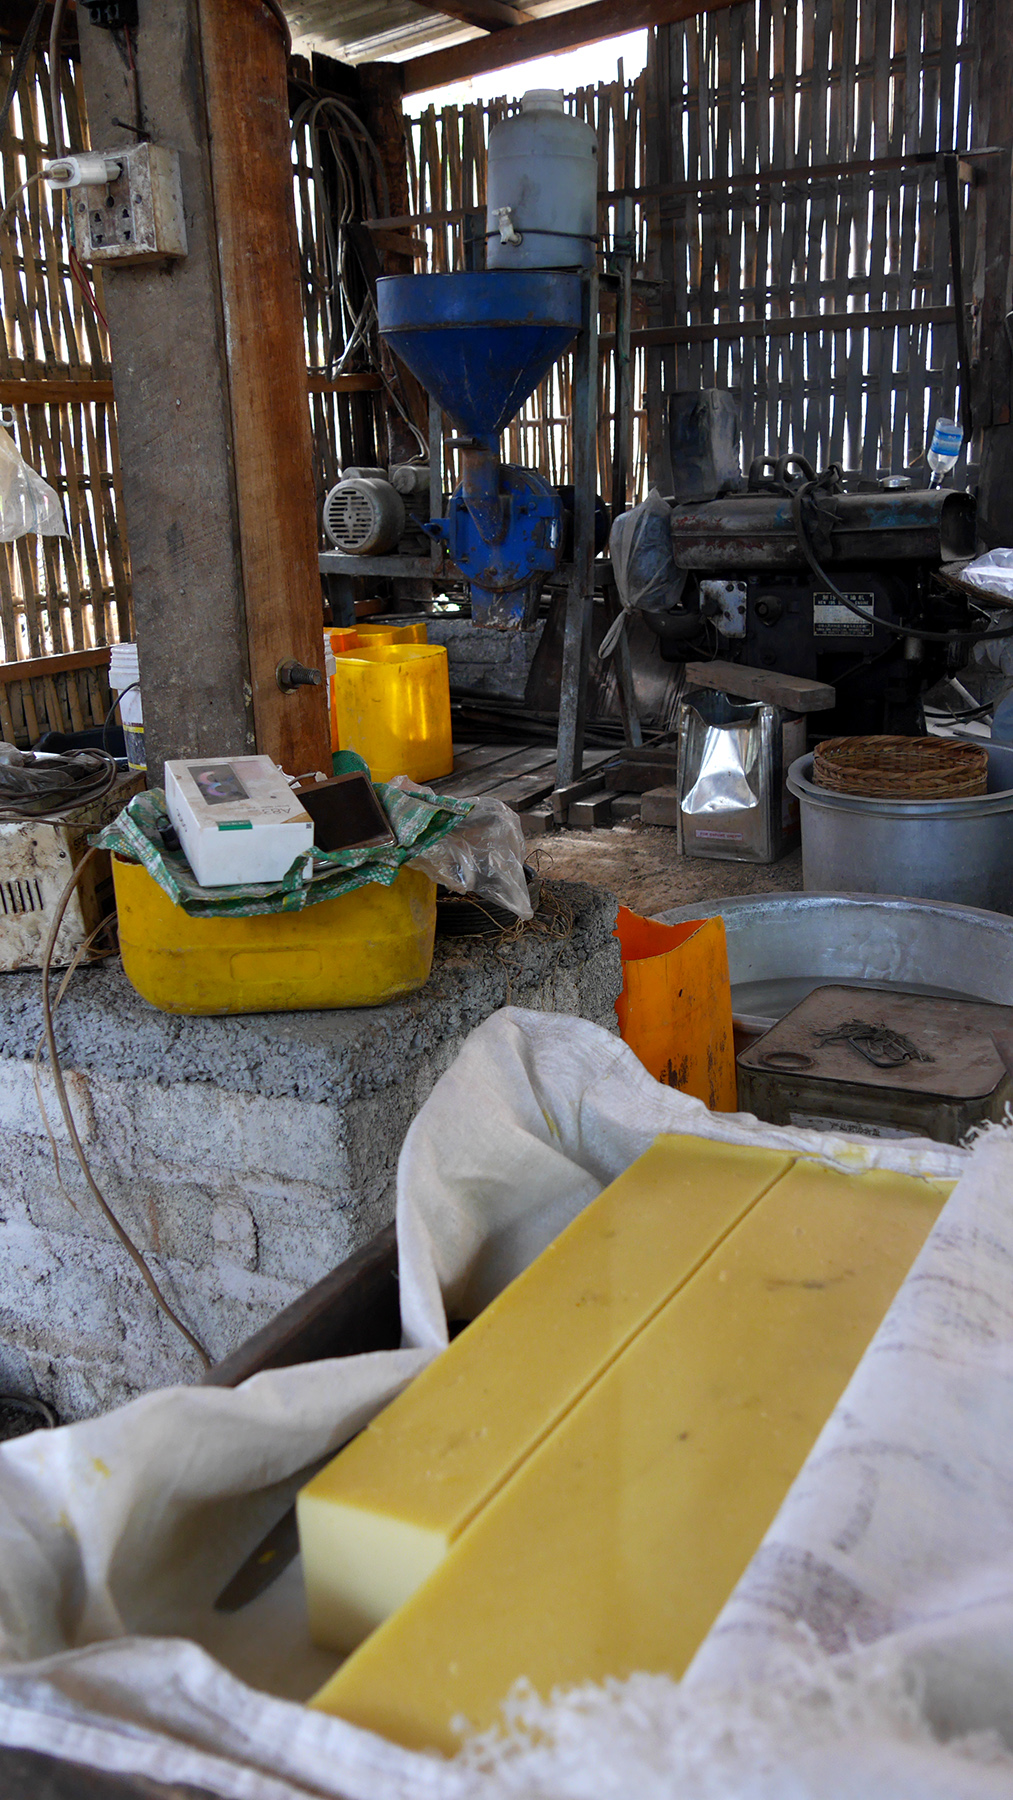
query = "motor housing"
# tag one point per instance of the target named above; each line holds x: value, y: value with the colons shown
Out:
x: 364, y: 515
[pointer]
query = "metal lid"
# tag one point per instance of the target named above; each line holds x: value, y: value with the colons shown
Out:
x: 868, y: 1037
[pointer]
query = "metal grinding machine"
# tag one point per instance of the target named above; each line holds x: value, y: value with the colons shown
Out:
x: 791, y: 572
x: 480, y: 341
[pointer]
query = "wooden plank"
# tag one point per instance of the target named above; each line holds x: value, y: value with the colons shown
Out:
x: 352, y: 1310
x: 474, y: 760
x: 791, y: 691
x: 790, y: 324
x: 589, y: 24
x: 484, y: 15
x: 504, y: 778
x: 522, y: 795
x: 247, y: 115
x: 54, y: 665
x: 53, y: 391
x: 591, y: 813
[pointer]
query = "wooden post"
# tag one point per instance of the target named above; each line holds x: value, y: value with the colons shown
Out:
x: 212, y: 397
x: 992, y: 357
x: 580, y: 593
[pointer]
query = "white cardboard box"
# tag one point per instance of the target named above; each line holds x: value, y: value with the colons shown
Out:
x: 237, y: 819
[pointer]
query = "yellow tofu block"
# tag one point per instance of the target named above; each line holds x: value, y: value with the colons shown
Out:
x: 381, y: 1517
x: 615, y: 1545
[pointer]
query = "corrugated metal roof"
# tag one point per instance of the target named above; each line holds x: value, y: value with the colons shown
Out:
x: 386, y: 30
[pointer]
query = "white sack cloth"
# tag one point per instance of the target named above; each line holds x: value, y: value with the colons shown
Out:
x: 867, y: 1651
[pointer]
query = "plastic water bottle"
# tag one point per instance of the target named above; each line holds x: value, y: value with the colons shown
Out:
x: 947, y: 440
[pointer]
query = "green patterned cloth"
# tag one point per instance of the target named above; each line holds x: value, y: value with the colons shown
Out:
x: 418, y: 818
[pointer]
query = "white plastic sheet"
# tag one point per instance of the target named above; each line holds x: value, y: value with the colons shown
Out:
x: 868, y: 1650
x: 28, y: 504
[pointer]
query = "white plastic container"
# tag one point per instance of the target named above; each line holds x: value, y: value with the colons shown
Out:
x: 237, y: 819
x: 543, y: 175
x: 124, y: 676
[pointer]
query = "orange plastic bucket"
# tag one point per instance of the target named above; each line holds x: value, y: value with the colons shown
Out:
x: 675, y: 1010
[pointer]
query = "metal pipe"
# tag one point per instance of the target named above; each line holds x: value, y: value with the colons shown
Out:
x: 756, y: 531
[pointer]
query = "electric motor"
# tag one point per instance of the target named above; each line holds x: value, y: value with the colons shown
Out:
x: 364, y: 515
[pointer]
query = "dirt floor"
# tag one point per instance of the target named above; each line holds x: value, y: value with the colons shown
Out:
x: 642, y: 865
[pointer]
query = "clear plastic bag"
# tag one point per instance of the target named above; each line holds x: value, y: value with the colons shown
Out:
x: 993, y: 573
x: 483, y: 855
x: 643, y: 563
x: 27, y: 503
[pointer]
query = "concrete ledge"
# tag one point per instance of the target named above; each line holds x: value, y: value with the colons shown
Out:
x: 245, y: 1156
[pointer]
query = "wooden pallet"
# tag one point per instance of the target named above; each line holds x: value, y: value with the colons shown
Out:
x: 521, y: 775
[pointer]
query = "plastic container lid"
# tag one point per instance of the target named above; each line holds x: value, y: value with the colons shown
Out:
x: 542, y: 100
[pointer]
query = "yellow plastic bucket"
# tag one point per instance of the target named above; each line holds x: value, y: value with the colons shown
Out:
x: 364, y: 948
x: 675, y: 1010
x: 392, y: 705
x: 416, y: 633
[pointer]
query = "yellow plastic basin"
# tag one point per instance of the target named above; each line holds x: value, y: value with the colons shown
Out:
x: 366, y: 947
x: 392, y: 705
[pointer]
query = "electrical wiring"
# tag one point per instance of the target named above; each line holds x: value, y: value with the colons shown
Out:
x: 55, y: 37
x: 41, y: 790
x: 798, y: 497
x: 280, y: 20
x: 351, y: 185
x: 68, y: 1118
x: 78, y: 273
x: 24, y: 51
x: 105, y: 925
x: 15, y: 197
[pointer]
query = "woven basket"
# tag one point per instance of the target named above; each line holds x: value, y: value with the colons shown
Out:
x: 901, y: 768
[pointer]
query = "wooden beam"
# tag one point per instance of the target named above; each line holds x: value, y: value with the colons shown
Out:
x: 38, y: 666
x: 246, y: 94
x: 46, y: 393
x: 173, y: 419
x: 563, y: 31
x: 485, y: 15
x: 787, y: 324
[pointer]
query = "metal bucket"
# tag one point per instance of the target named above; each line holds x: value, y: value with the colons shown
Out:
x: 781, y: 946
x: 955, y: 850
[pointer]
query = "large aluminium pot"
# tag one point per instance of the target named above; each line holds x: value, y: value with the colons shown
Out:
x: 955, y: 850
x: 781, y: 946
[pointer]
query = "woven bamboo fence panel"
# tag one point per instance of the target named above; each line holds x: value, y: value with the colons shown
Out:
x: 446, y: 152
x: 57, y: 595
x: 783, y: 164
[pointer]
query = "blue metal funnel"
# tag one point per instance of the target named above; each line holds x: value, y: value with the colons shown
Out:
x: 480, y: 341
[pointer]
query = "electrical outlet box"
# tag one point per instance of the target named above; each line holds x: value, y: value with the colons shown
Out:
x: 137, y: 218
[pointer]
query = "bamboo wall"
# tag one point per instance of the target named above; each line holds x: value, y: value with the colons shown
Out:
x: 792, y: 170
x: 57, y: 595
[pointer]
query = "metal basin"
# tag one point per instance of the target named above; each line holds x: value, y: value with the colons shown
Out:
x: 781, y: 946
x: 951, y: 850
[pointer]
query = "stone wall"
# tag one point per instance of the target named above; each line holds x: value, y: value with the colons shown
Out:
x: 245, y: 1156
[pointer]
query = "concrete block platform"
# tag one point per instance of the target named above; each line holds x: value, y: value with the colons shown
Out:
x: 245, y: 1156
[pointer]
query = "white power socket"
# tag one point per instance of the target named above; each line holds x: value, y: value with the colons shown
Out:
x: 136, y: 218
